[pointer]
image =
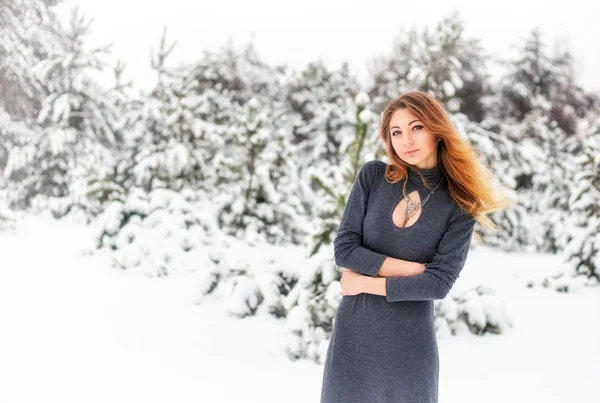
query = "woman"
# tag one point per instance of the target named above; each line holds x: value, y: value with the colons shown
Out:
x: 403, y: 239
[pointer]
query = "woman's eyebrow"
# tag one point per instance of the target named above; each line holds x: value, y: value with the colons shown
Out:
x: 408, y: 124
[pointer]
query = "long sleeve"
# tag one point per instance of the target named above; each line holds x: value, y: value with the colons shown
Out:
x: 441, y: 273
x: 348, y: 249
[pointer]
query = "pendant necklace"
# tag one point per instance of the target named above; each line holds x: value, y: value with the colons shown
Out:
x: 413, y: 206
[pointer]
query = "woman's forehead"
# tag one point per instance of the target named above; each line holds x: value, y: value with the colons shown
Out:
x: 402, y: 117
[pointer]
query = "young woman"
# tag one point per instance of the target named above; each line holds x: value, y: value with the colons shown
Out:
x: 403, y: 239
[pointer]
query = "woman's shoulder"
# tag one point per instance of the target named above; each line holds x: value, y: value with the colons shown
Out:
x: 459, y: 215
x: 373, y: 167
x: 373, y: 171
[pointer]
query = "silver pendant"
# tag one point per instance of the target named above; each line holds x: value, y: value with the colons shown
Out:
x: 411, y: 208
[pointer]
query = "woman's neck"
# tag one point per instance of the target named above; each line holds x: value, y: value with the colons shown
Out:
x: 432, y: 175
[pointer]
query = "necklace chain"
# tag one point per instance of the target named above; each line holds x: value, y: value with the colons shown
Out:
x: 411, y: 205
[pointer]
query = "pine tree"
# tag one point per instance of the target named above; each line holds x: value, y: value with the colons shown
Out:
x: 154, y: 193
x: 253, y: 168
x: 443, y: 63
x: 528, y: 85
x: 554, y: 187
x: 360, y: 144
x: 12, y: 134
x: 570, y: 102
x: 321, y: 99
x: 75, y: 128
x: 583, y: 250
x: 582, y: 226
x: 539, y: 106
x: 313, y: 301
x: 256, y: 170
x: 539, y: 82
x: 163, y: 132
x: 324, y: 112
x: 29, y: 33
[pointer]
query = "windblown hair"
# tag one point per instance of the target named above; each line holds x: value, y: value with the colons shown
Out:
x: 470, y: 182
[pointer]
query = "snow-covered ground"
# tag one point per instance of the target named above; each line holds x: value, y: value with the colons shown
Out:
x: 74, y: 330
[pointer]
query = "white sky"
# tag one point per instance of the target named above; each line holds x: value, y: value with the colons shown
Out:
x: 332, y: 30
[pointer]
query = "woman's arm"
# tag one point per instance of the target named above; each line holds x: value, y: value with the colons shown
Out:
x: 434, y: 282
x: 356, y: 283
x: 374, y: 285
x: 393, y: 267
x: 348, y: 249
x: 439, y: 275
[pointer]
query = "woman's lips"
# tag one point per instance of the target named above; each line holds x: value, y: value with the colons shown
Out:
x: 411, y: 152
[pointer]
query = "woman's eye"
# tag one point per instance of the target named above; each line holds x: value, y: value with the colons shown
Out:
x: 396, y: 131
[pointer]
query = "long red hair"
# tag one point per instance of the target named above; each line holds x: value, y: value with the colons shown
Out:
x: 470, y: 182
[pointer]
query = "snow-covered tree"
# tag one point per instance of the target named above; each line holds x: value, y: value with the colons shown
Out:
x: 165, y: 137
x: 321, y: 106
x: 253, y: 170
x: 570, y: 102
x: 266, y: 206
x: 543, y: 83
x: 11, y: 133
x: 75, y: 133
x: 359, y: 143
x: 554, y: 187
x: 529, y: 83
x: 322, y: 99
x: 29, y: 33
x: 442, y: 62
x: 582, y: 226
x: 210, y: 133
x: 583, y: 250
x: 477, y: 311
x: 538, y: 108
x: 159, y: 233
x: 156, y: 219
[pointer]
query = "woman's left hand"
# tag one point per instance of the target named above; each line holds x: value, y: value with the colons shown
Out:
x: 352, y: 283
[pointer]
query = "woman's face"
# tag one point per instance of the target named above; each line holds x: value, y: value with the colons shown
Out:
x: 408, y: 133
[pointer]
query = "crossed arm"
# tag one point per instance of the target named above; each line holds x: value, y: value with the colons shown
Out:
x: 398, y: 280
x: 356, y: 283
x: 391, y: 267
x: 401, y: 280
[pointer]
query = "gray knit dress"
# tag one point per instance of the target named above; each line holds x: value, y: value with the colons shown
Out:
x: 383, y: 349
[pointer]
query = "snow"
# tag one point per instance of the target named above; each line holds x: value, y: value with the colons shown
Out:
x: 74, y: 330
